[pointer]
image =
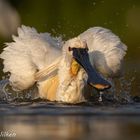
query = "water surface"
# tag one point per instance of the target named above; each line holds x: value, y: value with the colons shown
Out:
x: 34, y: 118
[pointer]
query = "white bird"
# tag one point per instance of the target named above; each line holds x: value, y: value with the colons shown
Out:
x: 62, y: 71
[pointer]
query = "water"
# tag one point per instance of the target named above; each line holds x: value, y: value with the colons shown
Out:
x: 73, y: 127
x: 47, y: 120
x: 30, y: 117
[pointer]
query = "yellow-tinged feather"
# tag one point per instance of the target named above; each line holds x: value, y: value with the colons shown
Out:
x: 47, y: 70
x: 48, y: 88
x: 74, y: 67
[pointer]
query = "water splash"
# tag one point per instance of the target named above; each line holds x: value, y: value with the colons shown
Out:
x: 120, y: 92
x: 7, y: 93
x: 100, y: 96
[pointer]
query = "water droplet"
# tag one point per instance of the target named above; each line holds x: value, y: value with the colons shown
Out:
x: 127, y: 25
x: 105, y: 23
x: 94, y: 3
x: 100, y: 97
x: 117, y: 13
x: 133, y: 6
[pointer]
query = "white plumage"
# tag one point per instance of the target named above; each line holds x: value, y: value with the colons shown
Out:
x: 106, y: 50
x: 31, y: 52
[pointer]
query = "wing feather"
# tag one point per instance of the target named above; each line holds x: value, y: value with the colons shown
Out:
x: 29, y: 52
x: 106, y: 50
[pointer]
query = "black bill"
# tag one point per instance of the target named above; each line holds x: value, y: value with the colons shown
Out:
x: 94, y: 78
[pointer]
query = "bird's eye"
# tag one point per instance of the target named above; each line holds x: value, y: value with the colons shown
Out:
x: 70, y: 49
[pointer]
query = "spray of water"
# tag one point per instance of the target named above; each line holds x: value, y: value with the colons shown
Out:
x: 7, y: 93
x: 120, y: 92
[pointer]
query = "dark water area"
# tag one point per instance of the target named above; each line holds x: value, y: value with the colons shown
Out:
x: 112, y: 119
x: 47, y: 120
x: 41, y: 119
x: 30, y: 117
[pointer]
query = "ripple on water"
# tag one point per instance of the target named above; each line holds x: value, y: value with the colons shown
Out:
x: 28, y: 103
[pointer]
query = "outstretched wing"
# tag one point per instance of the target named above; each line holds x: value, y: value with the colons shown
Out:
x: 105, y: 49
x: 31, y: 51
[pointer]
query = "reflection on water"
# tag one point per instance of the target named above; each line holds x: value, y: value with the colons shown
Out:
x: 72, y: 127
x: 38, y: 119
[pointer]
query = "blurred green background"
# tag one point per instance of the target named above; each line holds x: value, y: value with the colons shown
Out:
x: 69, y: 18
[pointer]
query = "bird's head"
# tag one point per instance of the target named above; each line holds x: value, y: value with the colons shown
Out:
x: 76, y: 51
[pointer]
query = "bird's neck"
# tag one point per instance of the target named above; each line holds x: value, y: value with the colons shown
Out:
x: 70, y: 87
x: 64, y: 70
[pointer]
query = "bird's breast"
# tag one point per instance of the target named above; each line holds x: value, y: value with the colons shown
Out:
x: 48, y: 88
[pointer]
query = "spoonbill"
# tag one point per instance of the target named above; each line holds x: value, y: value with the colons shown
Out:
x: 62, y: 70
